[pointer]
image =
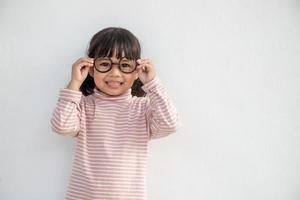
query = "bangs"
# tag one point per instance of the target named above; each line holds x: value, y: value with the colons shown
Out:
x: 118, y: 41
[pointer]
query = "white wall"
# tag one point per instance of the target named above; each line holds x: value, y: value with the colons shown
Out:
x: 231, y: 68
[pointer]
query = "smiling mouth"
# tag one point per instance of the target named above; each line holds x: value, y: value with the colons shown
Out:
x: 114, y: 84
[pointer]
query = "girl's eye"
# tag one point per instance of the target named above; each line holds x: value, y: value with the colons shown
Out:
x: 124, y: 65
x: 105, y: 64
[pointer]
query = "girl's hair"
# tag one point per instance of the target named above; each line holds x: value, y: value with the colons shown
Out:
x: 104, y: 43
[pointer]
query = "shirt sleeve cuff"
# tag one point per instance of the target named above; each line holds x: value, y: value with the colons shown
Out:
x: 148, y: 87
x: 70, y: 95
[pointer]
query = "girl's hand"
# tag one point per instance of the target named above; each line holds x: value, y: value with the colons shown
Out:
x: 145, y: 70
x: 80, y: 70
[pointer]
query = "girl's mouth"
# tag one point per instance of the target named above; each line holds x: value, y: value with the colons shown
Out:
x: 114, y: 84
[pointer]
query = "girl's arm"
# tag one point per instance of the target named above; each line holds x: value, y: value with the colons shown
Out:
x: 162, y: 116
x: 66, y: 116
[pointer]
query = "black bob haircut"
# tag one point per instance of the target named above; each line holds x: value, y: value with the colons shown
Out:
x: 104, y: 43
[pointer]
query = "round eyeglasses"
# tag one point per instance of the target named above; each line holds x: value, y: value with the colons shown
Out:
x: 104, y: 64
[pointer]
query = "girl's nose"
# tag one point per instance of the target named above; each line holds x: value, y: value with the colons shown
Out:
x: 115, y: 70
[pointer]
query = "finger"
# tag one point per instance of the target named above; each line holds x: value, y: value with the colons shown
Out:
x: 85, y: 68
x: 80, y: 61
x: 145, y: 64
x: 144, y: 67
x: 141, y: 61
x: 140, y: 68
x: 91, y: 60
x: 85, y: 64
x: 87, y: 59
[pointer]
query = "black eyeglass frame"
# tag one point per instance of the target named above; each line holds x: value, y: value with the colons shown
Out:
x: 112, y: 63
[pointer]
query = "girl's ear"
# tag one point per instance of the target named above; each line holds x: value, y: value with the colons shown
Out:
x: 91, y: 71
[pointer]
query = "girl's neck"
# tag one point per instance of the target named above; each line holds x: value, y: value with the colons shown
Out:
x: 103, y: 96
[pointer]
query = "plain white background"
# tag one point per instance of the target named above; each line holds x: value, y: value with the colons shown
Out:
x: 231, y: 68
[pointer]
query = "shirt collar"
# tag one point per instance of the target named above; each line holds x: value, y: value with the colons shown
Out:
x: 123, y: 97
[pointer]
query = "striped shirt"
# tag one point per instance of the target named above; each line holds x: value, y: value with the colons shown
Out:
x: 112, y: 139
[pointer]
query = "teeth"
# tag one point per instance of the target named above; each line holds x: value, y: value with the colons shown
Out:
x: 114, y: 84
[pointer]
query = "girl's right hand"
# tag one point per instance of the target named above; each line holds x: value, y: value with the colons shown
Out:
x: 80, y: 70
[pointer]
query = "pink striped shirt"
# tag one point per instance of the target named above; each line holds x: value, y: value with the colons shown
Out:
x: 112, y: 139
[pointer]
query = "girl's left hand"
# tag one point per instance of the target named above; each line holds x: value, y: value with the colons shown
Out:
x: 145, y: 70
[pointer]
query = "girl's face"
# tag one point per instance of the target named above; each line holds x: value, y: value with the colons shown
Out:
x: 113, y: 82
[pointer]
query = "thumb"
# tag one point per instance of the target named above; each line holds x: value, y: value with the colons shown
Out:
x: 140, y: 69
x: 85, y: 70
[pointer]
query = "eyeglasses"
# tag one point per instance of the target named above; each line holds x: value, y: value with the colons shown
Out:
x: 104, y: 64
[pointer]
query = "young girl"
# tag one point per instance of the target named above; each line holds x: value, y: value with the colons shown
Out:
x: 114, y: 104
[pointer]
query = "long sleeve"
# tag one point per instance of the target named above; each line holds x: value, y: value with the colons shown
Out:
x: 162, y: 116
x: 65, y: 118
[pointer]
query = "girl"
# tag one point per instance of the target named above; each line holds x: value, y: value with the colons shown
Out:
x: 114, y: 104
